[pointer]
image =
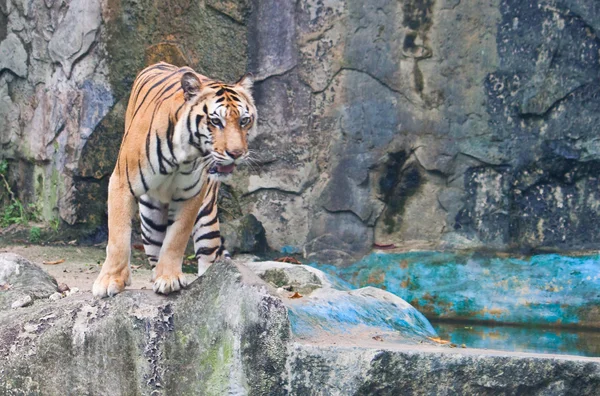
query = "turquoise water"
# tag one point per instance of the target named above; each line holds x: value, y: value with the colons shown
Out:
x: 521, y: 339
x: 546, y: 303
x: 548, y: 289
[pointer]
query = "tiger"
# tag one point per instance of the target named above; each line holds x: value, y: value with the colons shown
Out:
x: 184, y: 134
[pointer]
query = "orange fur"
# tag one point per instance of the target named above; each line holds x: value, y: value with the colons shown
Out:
x: 173, y: 149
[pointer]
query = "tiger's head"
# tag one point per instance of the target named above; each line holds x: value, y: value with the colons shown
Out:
x: 219, y: 120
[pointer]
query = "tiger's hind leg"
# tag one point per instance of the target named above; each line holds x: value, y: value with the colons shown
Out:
x: 154, y: 216
x: 208, y: 243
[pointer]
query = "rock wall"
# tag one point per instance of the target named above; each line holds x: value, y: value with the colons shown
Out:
x: 54, y: 91
x: 457, y: 124
x: 443, y: 123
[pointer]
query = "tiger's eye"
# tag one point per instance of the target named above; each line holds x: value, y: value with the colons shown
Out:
x: 216, y: 122
x: 244, y: 121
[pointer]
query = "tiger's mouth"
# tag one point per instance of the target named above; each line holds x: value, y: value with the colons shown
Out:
x: 222, y: 169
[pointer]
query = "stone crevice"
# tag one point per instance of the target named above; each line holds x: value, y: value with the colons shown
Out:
x: 276, y: 189
x: 382, y: 83
x: 278, y: 74
x: 545, y: 113
x: 341, y: 211
x: 220, y: 12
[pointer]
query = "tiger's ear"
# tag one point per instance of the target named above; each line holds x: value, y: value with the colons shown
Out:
x: 191, y: 85
x: 246, y: 81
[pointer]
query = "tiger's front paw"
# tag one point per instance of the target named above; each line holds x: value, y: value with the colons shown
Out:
x: 166, y: 284
x: 111, y: 284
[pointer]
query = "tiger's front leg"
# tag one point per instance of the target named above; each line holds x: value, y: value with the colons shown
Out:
x: 208, y: 243
x: 115, y: 273
x: 167, y: 275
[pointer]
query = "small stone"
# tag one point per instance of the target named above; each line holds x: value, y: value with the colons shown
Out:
x: 22, y: 302
x: 30, y: 328
x: 55, y: 296
x: 63, y: 287
x: 25, y: 279
x: 463, y: 346
x: 72, y: 291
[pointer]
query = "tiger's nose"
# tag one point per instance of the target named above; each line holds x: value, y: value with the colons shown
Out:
x: 235, y: 154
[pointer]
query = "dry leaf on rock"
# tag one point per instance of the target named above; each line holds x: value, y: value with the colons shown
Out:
x: 289, y: 260
x: 438, y: 340
x: 384, y: 246
x: 54, y: 262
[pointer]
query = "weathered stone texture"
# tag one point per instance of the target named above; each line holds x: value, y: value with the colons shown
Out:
x: 460, y: 124
x: 245, y: 235
x: 13, y: 56
x: 54, y: 99
x: 362, y: 371
x: 141, y: 343
x: 76, y: 33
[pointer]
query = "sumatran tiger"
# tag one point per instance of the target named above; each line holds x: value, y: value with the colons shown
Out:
x: 184, y: 134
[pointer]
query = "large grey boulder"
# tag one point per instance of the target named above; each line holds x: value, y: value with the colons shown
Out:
x: 22, y: 280
x: 226, y: 334
x: 321, y: 307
